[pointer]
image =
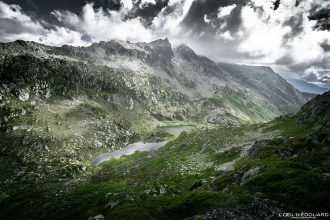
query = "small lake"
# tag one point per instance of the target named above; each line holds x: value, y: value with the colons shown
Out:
x: 140, y: 146
x: 176, y: 129
x: 129, y: 150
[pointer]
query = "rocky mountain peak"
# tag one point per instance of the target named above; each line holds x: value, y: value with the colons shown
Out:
x: 161, y: 43
x: 21, y: 45
x: 185, y: 51
x: 117, y: 46
x: 161, y: 48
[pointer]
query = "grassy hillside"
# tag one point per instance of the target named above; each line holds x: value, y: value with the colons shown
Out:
x: 217, y: 172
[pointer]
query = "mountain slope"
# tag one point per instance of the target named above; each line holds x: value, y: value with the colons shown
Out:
x: 249, y: 172
x: 61, y: 106
x: 152, y: 74
x: 317, y: 111
x: 269, y: 84
x: 304, y: 86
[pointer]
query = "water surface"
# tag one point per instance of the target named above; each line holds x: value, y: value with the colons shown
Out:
x: 129, y: 150
x: 176, y: 129
x: 140, y: 146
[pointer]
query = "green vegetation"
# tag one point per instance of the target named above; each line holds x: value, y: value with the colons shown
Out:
x: 215, y: 101
x: 237, y: 107
x: 217, y: 168
x: 174, y: 182
x: 57, y: 113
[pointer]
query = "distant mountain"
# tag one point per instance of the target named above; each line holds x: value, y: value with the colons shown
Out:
x: 307, y: 87
x: 264, y: 81
x: 322, y: 85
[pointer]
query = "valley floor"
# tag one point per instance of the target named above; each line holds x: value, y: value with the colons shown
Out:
x: 246, y: 172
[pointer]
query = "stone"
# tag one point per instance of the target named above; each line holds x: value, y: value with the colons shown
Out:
x: 97, y: 217
x: 326, y: 176
x: 23, y: 95
x: 249, y: 174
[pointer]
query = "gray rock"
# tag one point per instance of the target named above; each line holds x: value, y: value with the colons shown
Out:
x: 97, y: 217
x: 23, y: 95
x: 326, y: 176
x: 249, y: 174
x: 259, y: 209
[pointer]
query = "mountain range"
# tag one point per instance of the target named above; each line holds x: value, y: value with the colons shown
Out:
x: 170, y: 83
x: 225, y: 141
x: 307, y: 87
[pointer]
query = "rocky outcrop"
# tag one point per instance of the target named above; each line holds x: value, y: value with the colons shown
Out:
x: 316, y: 111
x: 186, y: 52
x: 257, y: 210
x: 161, y: 50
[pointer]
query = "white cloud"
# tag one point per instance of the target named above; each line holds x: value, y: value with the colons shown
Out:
x: 266, y: 33
x: 148, y: 1
x: 168, y: 25
x: 227, y: 36
x: 318, y: 74
x: 207, y: 19
x: 127, y: 4
x: 16, y: 25
x: 225, y: 11
x: 105, y: 25
x: 263, y: 39
x: 99, y: 24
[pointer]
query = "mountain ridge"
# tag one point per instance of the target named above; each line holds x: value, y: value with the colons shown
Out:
x: 180, y: 70
x: 305, y: 86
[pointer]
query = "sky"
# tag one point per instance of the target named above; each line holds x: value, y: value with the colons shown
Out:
x: 292, y: 36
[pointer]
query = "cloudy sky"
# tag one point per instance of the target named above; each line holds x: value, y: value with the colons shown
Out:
x: 292, y: 36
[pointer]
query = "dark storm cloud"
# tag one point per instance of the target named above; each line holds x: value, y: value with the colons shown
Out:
x: 297, y: 2
x: 296, y: 23
x: 194, y: 19
x: 325, y: 46
x: 234, y: 20
x: 322, y: 16
x: 147, y: 11
x: 276, y: 4
x: 43, y: 8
